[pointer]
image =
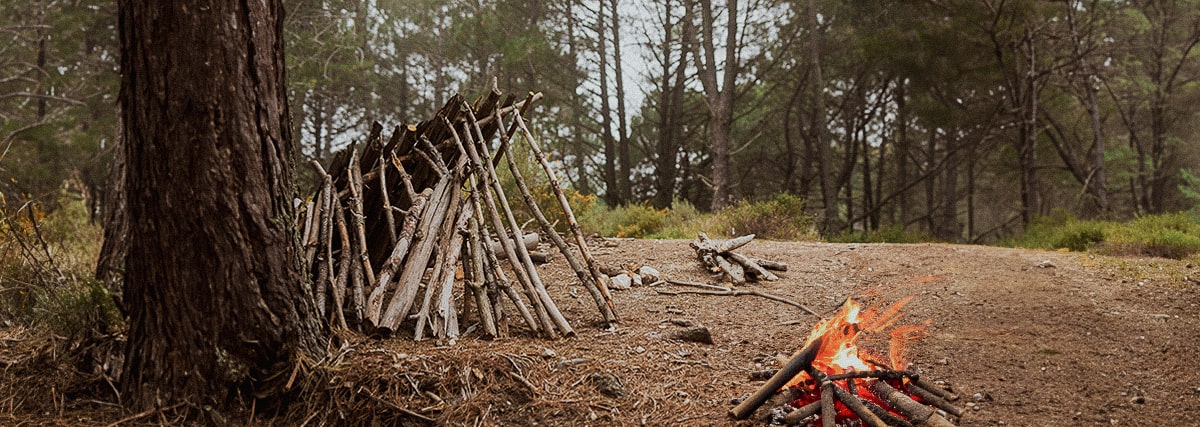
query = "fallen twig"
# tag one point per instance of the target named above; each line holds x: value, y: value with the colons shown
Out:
x: 740, y: 292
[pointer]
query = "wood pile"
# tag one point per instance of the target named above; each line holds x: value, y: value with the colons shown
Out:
x: 719, y: 258
x: 398, y: 223
x: 892, y: 388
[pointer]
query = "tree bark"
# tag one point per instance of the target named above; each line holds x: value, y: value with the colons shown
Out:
x: 666, y: 148
x: 720, y: 98
x: 612, y: 190
x: 625, y: 163
x: 214, y: 284
x: 831, y: 223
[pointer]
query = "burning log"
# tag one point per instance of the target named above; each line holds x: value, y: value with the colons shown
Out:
x: 798, y: 363
x: 429, y: 200
x: 831, y: 382
x: 918, y: 414
x: 718, y: 256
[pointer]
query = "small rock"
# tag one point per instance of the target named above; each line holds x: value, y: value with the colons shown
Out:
x: 620, y: 282
x: 548, y: 353
x: 608, y: 385
x: 1046, y: 264
x: 943, y: 361
x: 639, y: 349
x: 635, y: 279
x: 682, y: 322
x: 974, y: 407
x: 649, y: 274
x: 978, y: 397
x: 698, y: 334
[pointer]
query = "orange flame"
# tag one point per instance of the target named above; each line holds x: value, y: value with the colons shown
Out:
x: 839, y: 352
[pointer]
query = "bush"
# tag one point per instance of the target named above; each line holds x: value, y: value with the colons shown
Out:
x: 46, y: 262
x: 781, y: 217
x: 634, y: 220
x: 1174, y: 236
x: 888, y: 234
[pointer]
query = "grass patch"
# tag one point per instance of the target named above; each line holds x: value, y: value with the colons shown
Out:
x: 1175, y: 236
x: 780, y: 218
x: 46, y: 263
x: 888, y: 234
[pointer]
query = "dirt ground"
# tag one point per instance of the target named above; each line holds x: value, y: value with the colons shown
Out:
x: 1028, y: 338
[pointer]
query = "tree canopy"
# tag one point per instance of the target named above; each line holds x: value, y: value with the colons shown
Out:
x: 961, y: 119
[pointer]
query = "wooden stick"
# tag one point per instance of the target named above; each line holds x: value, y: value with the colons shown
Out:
x: 801, y: 361
x: 396, y: 259
x: 733, y: 272
x: 535, y: 279
x: 530, y: 240
x: 932, y: 399
x: 446, y: 237
x: 934, y: 389
x: 741, y: 292
x: 360, y: 222
x: 404, y: 177
x: 475, y: 278
x: 325, y: 260
x: 414, y: 267
x: 851, y: 401
x: 501, y: 280
x: 887, y: 416
x: 488, y: 178
x: 799, y: 414
x: 312, y: 226
x: 700, y: 285
x: 345, y: 265
x: 588, y: 282
x: 828, y: 405
x: 918, y: 414
x: 752, y: 266
x: 601, y: 280
x: 770, y: 265
x: 720, y: 246
x: 388, y: 216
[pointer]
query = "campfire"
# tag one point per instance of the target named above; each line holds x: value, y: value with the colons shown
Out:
x: 832, y: 381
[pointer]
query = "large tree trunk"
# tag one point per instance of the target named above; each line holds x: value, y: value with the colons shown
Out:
x: 831, y: 224
x: 669, y: 117
x: 625, y: 165
x: 612, y: 189
x: 111, y: 262
x: 214, y: 288
x: 720, y: 98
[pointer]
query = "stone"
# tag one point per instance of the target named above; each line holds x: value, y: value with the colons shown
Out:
x: 698, y: 334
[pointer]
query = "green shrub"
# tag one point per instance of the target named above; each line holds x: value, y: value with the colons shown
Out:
x: 888, y: 234
x: 46, y: 262
x: 781, y: 217
x: 634, y: 220
x: 1174, y: 236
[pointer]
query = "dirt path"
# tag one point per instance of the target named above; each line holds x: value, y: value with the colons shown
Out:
x: 1043, y: 338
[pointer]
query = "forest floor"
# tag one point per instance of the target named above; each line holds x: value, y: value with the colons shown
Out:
x: 1028, y: 338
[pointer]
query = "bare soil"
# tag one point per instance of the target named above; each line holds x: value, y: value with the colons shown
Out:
x: 1028, y: 338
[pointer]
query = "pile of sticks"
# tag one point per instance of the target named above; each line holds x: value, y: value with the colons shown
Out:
x: 720, y: 259
x: 877, y: 398
x: 396, y: 224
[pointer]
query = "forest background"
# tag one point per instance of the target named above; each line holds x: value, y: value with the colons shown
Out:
x: 960, y: 121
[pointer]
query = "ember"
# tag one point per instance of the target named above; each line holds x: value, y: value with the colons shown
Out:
x: 832, y: 380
